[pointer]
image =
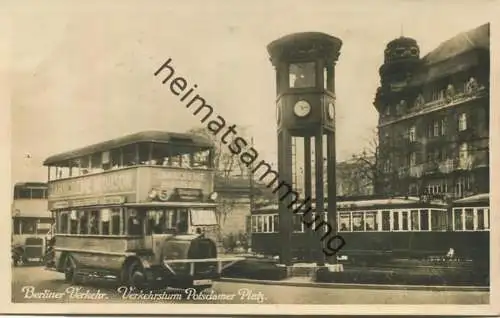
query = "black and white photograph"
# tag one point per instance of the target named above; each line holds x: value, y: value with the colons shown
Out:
x: 239, y: 157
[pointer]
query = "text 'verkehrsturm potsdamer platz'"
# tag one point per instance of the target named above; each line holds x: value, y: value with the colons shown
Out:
x: 218, y: 126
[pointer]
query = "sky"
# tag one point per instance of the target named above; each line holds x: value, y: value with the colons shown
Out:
x: 82, y: 72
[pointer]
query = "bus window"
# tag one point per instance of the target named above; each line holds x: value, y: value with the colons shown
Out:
x: 358, y: 222
x: 74, y: 222
x: 17, y: 226
x: 63, y: 222
x: 84, y: 165
x: 105, y: 224
x: 115, y: 159
x: 469, y: 219
x: 94, y: 222
x: 344, y: 221
x: 134, y: 223
x: 129, y: 155
x: 182, y: 225
x: 43, y: 227
x: 96, y: 162
x: 175, y: 161
x: 156, y: 222
x: 371, y: 221
x: 424, y: 220
x: 386, y: 220
x: 37, y: 193
x: 415, y: 224
x: 83, y: 219
x: 186, y: 160
x: 28, y: 226
x: 201, y: 159
x: 203, y: 217
x: 115, y: 221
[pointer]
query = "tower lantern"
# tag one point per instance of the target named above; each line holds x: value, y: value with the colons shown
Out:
x: 305, y: 106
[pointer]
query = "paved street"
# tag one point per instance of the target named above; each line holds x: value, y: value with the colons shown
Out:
x: 29, y: 282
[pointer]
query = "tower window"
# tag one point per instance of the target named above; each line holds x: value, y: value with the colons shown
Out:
x: 302, y: 75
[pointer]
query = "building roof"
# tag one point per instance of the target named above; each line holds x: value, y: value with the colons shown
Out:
x: 477, y: 38
x: 144, y: 136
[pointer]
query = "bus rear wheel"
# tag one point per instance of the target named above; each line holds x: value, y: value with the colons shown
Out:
x: 70, y: 270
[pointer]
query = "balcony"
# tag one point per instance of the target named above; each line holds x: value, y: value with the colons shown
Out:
x: 416, y: 171
x: 446, y: 166
x: 431, y: 167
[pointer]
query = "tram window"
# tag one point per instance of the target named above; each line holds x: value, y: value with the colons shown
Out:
x: 276, y: 222
x: 74, y: 222
x: 28, y: 226
x: 457, y: 218
x: 487, y: 218
x: 115, y: 221
x: 404, y: 223
x: 344, y: 221
x: 371, y: 221
x: 415, y: 224
x: 135, y: 223
x: 105, y: 221
x: 63, y: 222
x: 395, y: 221
x: 358, y: 222
x: 439, y: 220
x: 270, y: 220
x: 480, y: 219
x: 386, y: 220
x: 424, y: 220
x: 254, y: 223
x: 469, y: 219
x: 259, y: 224
x: 265, y: 224
x: 298, y: 225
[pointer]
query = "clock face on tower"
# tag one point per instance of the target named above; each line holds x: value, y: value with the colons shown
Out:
x: 302, y: 108
x: 331, y: 111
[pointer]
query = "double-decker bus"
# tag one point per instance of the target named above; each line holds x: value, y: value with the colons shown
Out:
x: 31, y: 222
x: 139, y: 209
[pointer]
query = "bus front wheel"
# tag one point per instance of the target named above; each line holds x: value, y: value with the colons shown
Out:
x: 136, y: 277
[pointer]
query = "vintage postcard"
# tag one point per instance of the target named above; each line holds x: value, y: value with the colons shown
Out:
x: 263, y: 157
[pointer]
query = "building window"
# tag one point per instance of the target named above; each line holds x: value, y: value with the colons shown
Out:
x: 412, y: 134
x: 436, y: 129
x: 413, y: 159
x: 443, y: 127
x: 462, y: 122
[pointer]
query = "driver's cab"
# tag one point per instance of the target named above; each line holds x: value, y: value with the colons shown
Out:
x: 160, y: 224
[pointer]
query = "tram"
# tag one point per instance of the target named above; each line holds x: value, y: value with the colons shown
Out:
x: 31, y: 223
x: 139, y: 209
x: 379, y: 229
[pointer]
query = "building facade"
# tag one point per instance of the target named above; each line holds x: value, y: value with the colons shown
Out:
x: 434, y: 116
